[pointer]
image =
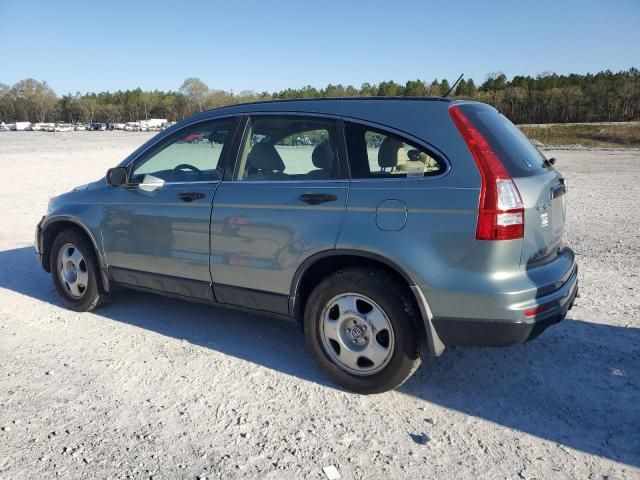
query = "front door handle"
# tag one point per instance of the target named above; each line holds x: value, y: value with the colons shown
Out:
x: 190, y: 196
x: 317, y: 198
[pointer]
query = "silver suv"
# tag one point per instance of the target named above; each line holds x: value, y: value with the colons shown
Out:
x: 386, y: 227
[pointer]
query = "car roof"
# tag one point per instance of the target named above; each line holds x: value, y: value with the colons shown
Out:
x: 356, y: 107
x: 304, y: 104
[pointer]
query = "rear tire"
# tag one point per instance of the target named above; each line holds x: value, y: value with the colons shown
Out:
x: 362, y: 328
x: 74, y: 270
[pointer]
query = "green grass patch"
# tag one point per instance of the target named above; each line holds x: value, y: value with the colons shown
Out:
x: 586, y: 134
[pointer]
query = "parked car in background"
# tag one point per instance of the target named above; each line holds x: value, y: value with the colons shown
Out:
x: 407, y: 225
x: 63, y: 127
x: 79, y: 127
x: 193, y: 138
x: 98, y: 126
x: 132, y: 127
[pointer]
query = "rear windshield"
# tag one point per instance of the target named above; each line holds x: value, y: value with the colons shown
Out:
x: 518, y: 155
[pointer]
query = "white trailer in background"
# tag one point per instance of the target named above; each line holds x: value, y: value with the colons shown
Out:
x: 20, y: 126
x: 44, y: 127
x: 152, y: 124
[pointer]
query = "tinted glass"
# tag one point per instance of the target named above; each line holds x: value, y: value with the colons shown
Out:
x: 378, y: 154
x: 192, y: 154
x: 519, y: 156
x: 277, y: 148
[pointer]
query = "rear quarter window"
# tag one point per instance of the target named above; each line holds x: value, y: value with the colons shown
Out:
x: 375, y: 153
x: 518, y: 155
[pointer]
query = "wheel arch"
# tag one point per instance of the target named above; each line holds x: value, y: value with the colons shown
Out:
x: 50, y: 230
x: 324, y: 263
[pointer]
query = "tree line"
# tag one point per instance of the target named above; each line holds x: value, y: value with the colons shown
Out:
x: 546, y: 98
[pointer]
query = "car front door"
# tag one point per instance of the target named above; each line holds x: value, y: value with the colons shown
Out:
x: 156, y: 227
x: 283, y: 202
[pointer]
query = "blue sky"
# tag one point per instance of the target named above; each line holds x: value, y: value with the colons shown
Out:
x: 236, y: 45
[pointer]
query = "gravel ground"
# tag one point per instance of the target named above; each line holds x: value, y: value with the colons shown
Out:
x: 150, y: 387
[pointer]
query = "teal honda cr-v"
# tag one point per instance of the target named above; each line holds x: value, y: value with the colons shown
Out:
x: 387, y: 227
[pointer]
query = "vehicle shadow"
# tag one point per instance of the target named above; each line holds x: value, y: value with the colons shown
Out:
x: 577, y: 385
x: 252, y: 337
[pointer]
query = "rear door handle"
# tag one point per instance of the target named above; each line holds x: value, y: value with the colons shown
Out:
x: 317, y: 198
x: 190, y: 196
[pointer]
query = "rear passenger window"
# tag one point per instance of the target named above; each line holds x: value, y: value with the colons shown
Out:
x: 378, y: 154
x: 277, y: 148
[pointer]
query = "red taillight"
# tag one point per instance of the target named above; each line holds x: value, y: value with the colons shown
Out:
x: 501, y: 212
x: 535, y: 311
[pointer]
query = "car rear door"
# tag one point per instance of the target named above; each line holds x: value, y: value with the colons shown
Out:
x: 283, y: 202
x: 156, y: 227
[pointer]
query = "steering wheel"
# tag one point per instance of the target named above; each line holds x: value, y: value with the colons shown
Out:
x: 186, y: 166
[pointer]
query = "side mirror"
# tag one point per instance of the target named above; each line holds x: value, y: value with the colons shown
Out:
x: 116, y: 176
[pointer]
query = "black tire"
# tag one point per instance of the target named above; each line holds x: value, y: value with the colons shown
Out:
x: 93, y: 295
x: 396, y: 303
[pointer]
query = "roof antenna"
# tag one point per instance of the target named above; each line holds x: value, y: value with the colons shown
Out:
x: 453, y: 86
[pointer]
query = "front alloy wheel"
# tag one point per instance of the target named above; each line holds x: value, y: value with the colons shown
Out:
x: 72, y: 269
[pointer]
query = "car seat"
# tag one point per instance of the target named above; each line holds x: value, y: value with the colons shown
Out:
x: 389, y: 154
x: 264, y: 163
x: 323, y: 158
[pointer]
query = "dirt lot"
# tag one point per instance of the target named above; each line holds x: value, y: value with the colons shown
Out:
x: 149, y: 387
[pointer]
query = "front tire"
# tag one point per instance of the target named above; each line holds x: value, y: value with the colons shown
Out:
x: 362, y: 328
x: 74, y: 270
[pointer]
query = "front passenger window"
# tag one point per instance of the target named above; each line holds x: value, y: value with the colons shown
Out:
x: 191, y: 154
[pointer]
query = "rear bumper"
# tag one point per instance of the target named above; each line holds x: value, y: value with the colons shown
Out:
x: 512, y: 331
x: 478, y: 333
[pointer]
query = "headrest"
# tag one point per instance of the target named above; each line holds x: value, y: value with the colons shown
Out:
x: 323, y: 156
x: 388, y: 152
x: 264, y: 156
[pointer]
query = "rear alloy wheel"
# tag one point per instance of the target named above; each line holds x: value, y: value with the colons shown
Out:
x: 74, y: 270
x: 357, y: 334
x: 362, y: 327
